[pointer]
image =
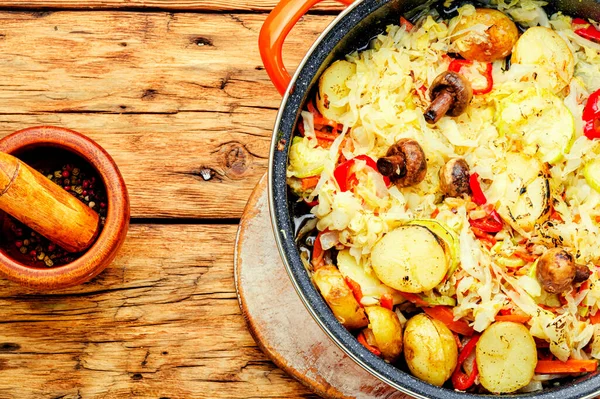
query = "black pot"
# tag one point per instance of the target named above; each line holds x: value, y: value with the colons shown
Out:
x: 352, y: 30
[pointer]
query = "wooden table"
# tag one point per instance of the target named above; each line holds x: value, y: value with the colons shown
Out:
x: 171, y: 89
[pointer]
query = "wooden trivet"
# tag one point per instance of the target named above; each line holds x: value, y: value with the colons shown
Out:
x: 279, y: 322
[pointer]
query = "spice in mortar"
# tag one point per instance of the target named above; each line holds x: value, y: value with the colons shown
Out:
x: 29, y: 247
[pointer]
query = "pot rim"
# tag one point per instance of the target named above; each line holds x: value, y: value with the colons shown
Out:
x: 587, y: 388
x: 98, y: 256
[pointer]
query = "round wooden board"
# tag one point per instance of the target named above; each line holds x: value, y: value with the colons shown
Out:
x: 278, y: 320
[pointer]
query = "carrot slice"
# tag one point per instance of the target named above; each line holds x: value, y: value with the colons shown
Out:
x: 570, y: 366
x: 517, y: 318
x: 445, y: 315
x: 310, y: 182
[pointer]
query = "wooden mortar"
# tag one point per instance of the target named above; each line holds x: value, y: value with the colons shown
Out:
x: 104, y: 246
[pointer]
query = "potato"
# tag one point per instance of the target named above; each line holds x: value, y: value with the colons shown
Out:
x: 409, y: 259
x: 545, y: 48
x: 332, y: 88
x: 339, y: 297
x: 493, y: 40
x: 429, y: 349
x: 506, y: 357
x: 387, y: 331
x: 526, y: 201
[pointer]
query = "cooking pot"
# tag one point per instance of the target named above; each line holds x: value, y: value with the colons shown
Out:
x: 352, y: 30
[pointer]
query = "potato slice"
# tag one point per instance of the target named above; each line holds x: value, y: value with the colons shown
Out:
x: 545, y: 48
x: 429, y: 349
x: 333, y: 88
x: 526, y: 201
x: 506, y: 357
x: 387, y: 331
x: 339, y: 297
x: 410, y: 259
x: 488, y: 35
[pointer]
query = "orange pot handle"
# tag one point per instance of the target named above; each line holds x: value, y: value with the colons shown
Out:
x: 273, y: 33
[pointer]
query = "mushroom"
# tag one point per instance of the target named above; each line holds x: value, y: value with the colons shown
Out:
x: 450, y: 94
x: 454, y: 177
x: 556, y: 271
x: 405, y: 163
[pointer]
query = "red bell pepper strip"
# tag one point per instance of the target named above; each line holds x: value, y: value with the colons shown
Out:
x: 492, y: 223
x: 361, y: 338
x: 343, y: 173
x: 487, y: 238
x: 591, y: 117
x: 312, y: 203
x: 478, y: 195
x: 355, y: 288
x: 457, y: 65
x: 407, y: 24
x: 570, y: 366
x: 386, y: 301
x: 586, y: 30
x: 461, y: 380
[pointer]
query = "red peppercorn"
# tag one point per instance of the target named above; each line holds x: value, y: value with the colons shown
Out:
x: 19, y: 244
x: 84, y: 193
x: 91, y: 193
x: 51, y: 247
x: 69, y: 167
x: 86, y: 183
x: 93, y: 180
x: 65, y: 173
x: 19, y: 232
x: 102, y: 205
x: 33, y: 252
x: 68, y: 188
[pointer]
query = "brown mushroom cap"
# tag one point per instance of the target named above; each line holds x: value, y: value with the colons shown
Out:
x: 405, y: 163
x: 454, y: 178
x: 556, y: 271
x: 450, y: 94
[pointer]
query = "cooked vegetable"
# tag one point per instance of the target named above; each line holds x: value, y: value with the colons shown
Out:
x: 461, y: 380
x: 405, y: 163
x: 475, y: 186
x: 387, y: 331
x: 489, y: 35
x: 506, y: 357
x: 540, y: 120
x: 454, y: 177
x: 368, y: 282
x: 430, y: 349
x: 465, y: 66
x: 591, y: 116
x: 543, y: 47
x: 556, y: 271
x: 591, y: 172
x: 526, y: 200
x: 344, y: 173
x: 409, y: 259
x: 450, y: 94
x: 339, y: 297
x: 333, y: 88
x: 568, y: 367
x: 447, y: 237
x: 304, y: 160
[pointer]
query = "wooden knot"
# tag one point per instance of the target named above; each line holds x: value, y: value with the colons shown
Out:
x: 235, y: 158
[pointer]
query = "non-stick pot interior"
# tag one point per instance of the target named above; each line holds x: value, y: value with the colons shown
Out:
x: 349, y: 32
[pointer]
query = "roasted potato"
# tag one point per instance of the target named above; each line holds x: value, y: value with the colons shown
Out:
x: 506, y: 357
x: 543, y: 47
x: 494, y: 40
x: 429, y: 349
x: 410, y: 259
x: 332, y: 88
x: 339, y: 297
x: 387, y: 331
x: 526, y: 201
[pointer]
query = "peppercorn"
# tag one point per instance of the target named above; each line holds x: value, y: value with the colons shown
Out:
x: 23, y: 250
x: 75, y: 172
x: 58, y: 174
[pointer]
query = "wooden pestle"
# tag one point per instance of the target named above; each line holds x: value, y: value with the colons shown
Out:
x: 34, y: 200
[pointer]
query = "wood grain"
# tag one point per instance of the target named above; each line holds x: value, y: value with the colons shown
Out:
x: 195, y: 5
x: 161, y: 322
x: 170, y: 96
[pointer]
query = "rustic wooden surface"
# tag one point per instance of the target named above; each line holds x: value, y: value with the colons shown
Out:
x: 168, y: 88
x: 310, y: 356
